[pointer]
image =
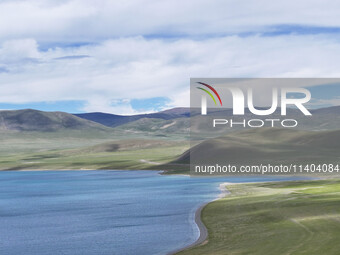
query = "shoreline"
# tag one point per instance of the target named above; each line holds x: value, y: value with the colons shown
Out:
x: 198, y: 220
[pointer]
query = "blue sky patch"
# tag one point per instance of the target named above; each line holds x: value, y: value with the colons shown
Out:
x: 149, y: 104
x: 70, y: 106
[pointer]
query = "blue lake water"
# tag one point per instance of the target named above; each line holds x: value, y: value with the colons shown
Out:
x: 102, y: 212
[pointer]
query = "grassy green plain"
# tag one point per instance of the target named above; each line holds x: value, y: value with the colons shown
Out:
x: 65, y: 150
x: 301, y: 217
x: 124, y: 149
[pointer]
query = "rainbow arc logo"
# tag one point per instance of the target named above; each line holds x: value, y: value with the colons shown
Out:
x: 209, y: 93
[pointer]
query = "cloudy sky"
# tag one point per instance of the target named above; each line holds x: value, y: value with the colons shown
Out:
x: 134, y: 56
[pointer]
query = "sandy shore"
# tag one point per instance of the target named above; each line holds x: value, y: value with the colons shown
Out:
x: 203, y: 230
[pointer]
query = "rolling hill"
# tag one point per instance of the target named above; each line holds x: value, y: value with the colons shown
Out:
x: 158, y: 127
x: 170, y: 121
x: 113, y: 120
x: 33, y: 120
x: 267, y: 145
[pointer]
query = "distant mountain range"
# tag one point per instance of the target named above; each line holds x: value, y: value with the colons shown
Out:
x: 177, y: 121
x: 113, y: 120
x: 173, y: 121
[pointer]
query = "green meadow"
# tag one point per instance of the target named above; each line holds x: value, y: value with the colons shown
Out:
x: 90, y: 154
x: 301, y: 217
x: 85, y: 150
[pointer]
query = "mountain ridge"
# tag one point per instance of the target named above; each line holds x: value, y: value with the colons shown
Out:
x: 172, y: 120
x: 114, y: 120
x: 35, y: 120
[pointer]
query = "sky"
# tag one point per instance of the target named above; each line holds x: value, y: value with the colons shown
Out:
x: 129, y: 57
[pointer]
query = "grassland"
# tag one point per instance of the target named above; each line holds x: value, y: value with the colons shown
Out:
x: 267, y: 146
x: 58, y: 151
x: 274, y: 218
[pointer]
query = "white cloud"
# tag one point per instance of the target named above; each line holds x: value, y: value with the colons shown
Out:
x: 103, y: 104
x: 135, y: 67
x: 120, y: 62
x: 17, y: 50
x: 83, y: 20
x: 325, y: 102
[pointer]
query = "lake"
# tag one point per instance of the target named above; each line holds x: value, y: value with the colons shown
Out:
x: 102, y: 212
